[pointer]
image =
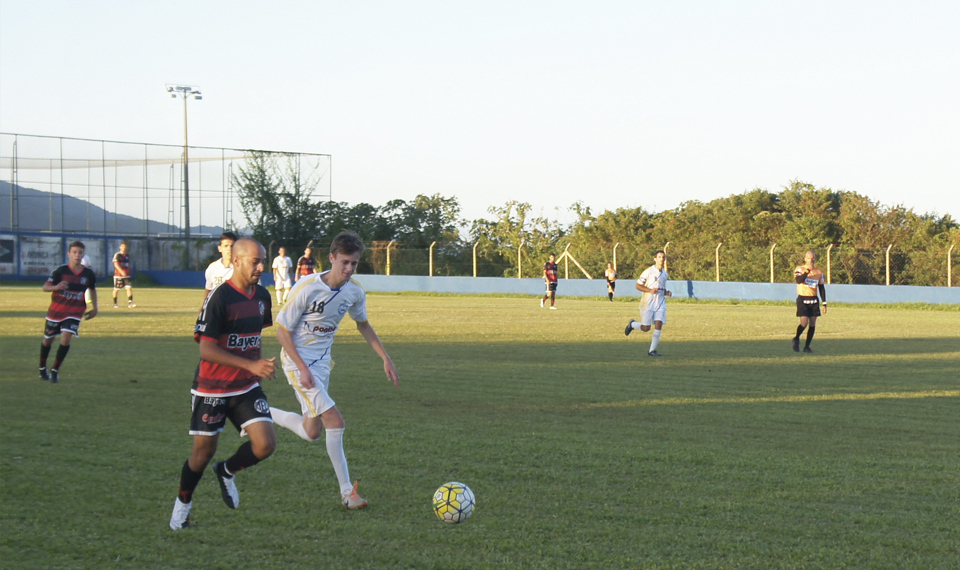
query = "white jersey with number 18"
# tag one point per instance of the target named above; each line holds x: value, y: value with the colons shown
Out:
x: 313, y: 314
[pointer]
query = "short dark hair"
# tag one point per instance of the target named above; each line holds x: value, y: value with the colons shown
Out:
x: 77, y: 243
x: 228, y: 235
x: 347, y: 243
x: 659, y: 251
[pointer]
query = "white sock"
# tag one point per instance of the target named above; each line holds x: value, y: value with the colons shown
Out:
x: 656, y: 339
x: 339, y: 460
x: 291, y: 421
x: 280, y: 297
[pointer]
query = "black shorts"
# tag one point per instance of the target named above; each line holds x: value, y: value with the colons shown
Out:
x: 210, y: 413
x: 551, y: 287
x: 121, y: 282
x: 54, y: 328
x: 808, y: 306
x: 612, y: 285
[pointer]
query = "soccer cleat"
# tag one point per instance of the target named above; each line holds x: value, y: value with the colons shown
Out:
x: 181, y: 515
x: 796, y: 344
x: 552, y: 307
x: 131, y: 305
x: 629, y: 328
x: 54, y: 376
x: 352, y: 500
x: 116, y: 306
x: 541, y: 303
x: 654, y: 353
x: 43, y: 374
x: 228, y: 489
x: 807, y: 349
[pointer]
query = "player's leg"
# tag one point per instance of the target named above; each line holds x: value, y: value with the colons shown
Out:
x: 334, y: 426
x: 810, y: 332
x: 129, y: 288
x: 250, y: 413
x: 68, y: 329
x: 204, y: 446
x: 117, y: 285
x: 655, y: 339
x: 50, y: 331
x: 313, y: 402
x: 802, y: 313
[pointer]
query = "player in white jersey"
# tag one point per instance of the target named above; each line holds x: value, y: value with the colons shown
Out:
x: 222, y: 269
x: 305, y: 328
x: 653, y: 303
x: 281, y: 275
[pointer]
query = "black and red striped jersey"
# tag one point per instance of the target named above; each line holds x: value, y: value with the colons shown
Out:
x: 306, y: 266
x: 69, y: 303
x: 233, y: 320
x: 123, y: 260
x: 550, y: 271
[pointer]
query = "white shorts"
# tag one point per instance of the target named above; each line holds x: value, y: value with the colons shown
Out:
x: 316, y: 400
x: 649, y: 315
x: 285, y: 284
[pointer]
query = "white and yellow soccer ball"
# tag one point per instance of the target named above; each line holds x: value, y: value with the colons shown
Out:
x: 453, y: 502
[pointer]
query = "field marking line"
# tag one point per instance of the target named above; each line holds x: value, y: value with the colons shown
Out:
x: 774, y: 399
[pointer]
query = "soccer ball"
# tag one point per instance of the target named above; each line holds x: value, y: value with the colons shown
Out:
x: 453, y: 502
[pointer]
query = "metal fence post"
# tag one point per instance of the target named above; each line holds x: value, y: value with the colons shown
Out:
x: 949, y: 266
x: 829, y: 247
x: 615, y: 255
x: 431, y: 258
x: 389, y: 245
x: 520, y: 267
x: 665, y: 256
x: 888, y: 262
x: 771, y: 261
x: 475, y: 258
x: 717, y: 256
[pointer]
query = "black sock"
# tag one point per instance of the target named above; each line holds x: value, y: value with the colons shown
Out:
x: 799, y: 330
x: 810, y: 335
x: 44, y: 353
x: 188, y: 482
x: 242, y: 459
x: 61, y: 354
x: 610, y: 295
x: 130, y: 299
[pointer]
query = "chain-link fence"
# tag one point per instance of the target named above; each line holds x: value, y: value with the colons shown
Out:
x: 62, y: 184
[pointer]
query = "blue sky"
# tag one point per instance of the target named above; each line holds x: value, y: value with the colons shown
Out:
x: 613, y: 104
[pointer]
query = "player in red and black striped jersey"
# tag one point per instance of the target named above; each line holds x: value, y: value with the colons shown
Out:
x: 305, y: 265
x: 227, y: 384
x: 68, y: 284
x: 121, y: 275
x: 550, y: 278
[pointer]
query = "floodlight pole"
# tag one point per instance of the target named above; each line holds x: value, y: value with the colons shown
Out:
x: 185, y: 92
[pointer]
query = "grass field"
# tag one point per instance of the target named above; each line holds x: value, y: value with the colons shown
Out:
x: 731, y: 451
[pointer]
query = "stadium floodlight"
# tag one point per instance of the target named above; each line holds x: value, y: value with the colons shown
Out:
x: 185, y: 92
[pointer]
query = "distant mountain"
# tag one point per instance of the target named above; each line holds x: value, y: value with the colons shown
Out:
x: 78, y: 216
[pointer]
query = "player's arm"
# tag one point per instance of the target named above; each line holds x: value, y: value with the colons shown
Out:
x: 370, y: 335
x: 800, y: 274
x: 645, y: 289
x: 93, y: 301
x: 290, y: 348
x: 823, y: 296
x: 211, y: 352
x: 49, y: 287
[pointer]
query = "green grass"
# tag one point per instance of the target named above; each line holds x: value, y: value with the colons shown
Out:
x: 731, y: 451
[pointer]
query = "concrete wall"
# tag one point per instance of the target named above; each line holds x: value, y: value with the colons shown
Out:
x: 625, y: 288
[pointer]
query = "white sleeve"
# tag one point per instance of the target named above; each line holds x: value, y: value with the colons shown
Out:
x: 358, y: 311
x: 296, y: 306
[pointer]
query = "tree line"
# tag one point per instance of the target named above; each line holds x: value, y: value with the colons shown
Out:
x: 747, y: 228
